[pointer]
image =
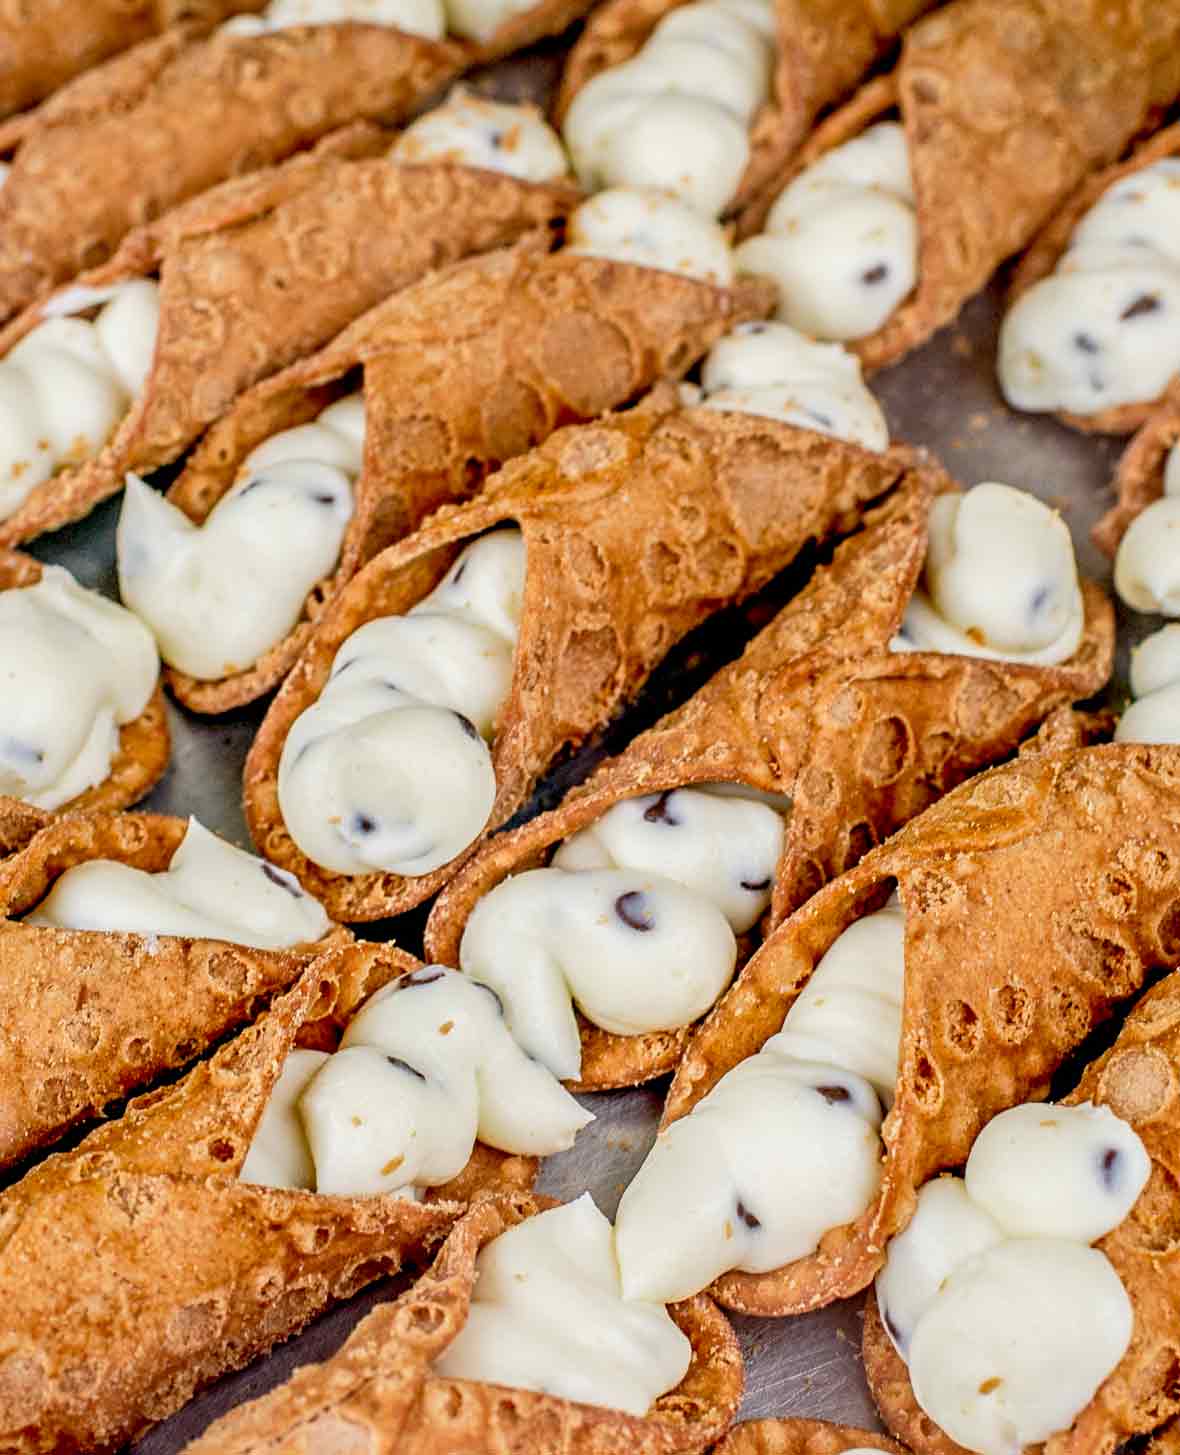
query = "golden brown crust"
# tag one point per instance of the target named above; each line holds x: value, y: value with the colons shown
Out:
x: 259, y: 272
x: 819, y: 709
x: 1139, y: 1079
x: 1072, y: 862
x: 137, y: 1268
x: 1007, y: 105
x: 88, y: 1016
x: 720, y: 502
x: 1139, y: 480
x: 824, y: 48
x: 379, y: 1394
x: 801, y: 1437
x: 469, y: 368
x: 140, y: 759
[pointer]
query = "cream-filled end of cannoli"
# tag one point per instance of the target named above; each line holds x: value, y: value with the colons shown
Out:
x: 210, y: 890
x: 472, y: 19
x: 74, y: 668
x: 426, y: 1067
x: 676, y: 117
x: 1147, y: 566
x: 1154, y: 715
x: 787, y: 1145
x: 495, y: 136
x: 1000, y: 581
x: 634, y: 922
x: 548, y: 1313
x: 69, y: 382
x: 220, y: 594
x: 390, y: 768
x: 771, y: 369
x: 1103, y: 329
x: 652, y: 230
x: 841, y: 241
x: 1007, y: 1318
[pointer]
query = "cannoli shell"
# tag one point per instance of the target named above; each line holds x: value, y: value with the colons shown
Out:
x: 801, y: 1437
x: 261, y: 272
x: 861, y: 739
x: 463, y: 371
x: 1046, y: 252
x: 717, y: 504
x: 378, y: 1394
x: 139, y: 761
x: 1008, y: 106
x: 137, y: 1268
x: 1038, y: 896
x: 45, y: 43
x: 1139, y: 480
x: 87, y: 1016
x: 1139, y: 1079
x: 824, y: 48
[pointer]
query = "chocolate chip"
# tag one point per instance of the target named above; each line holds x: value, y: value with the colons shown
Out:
x: 877, y: 274
x: 323, y: 498
x: 658, y: 811
x: 400, y: 1065
x: 458, y: 576
x: 756, y: 888
x: 17, y: 751
x: 1086, y: 343
x: 284, y: 881
x: 1144, y: 304
x: 363, y: 823
x: 632, y: 909
x: 1108, y: 1168
x: 468, y: 726
x: 835, y: 1094
x: 1038, y: 600
x: 747, y: 1216
x: 496, y: 138
x: 252, y: 485
x: 426, y: 976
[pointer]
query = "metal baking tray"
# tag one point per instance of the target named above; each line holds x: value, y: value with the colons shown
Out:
x: 943, y: 397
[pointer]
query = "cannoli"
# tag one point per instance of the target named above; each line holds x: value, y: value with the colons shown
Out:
x: 886, y: 227
x: 941, y: 981
x: 123, y: 370
x: 1051, y: 1285
x: 518, y: 1333
x: 1093, y: 326
x: 838, y: 738
x: 439, y: 386
x: 82, y: 722
x: 139, y: 1266
x: 48, y: 42
x: 130, y: 943
x: 177, y: 115
x: 1147, y: 479
x: 709, y: 100
x: 803, y: 1437
x: 534, y: 636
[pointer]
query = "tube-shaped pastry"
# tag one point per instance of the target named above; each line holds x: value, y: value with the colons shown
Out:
x: 843, y: 738
x: 131, y: 943
x: 177, y: 115
x: 998, y: 128
x: 242, y: 281
x: 391, y: 1382
x: 648, y: 94
x: 1147, y: 478
x: 802, y: 1437
x: 989, y: 1008
x: 721, y: 501
x: 460, y: 373
x: 184, y: 1271
x: 1128, y: 1093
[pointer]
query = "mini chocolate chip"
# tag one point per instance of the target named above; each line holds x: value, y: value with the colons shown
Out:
x: 426, y: 976
x: 820, y: 418
x: 874, y: 275
x: 496, y: 138
x: 362, y: 823
x: 468, y: 726
x: 756, y: 327
x: 835, y: 1094
x: 1108, y: 1167
x: 324, y: 499
x: 1086, y: 343
x: 282, y: 881
x: 1038, y: 600
x: 632, y: 909
x: 252, y: 485
x: 1144, y: 304
x: 657, y: 812
x: 400, y: 1065
x: 487, y: 990
x: 458, y: 576
x: 759, y: 888
x: 15, y: 750
x: 747, y: 1216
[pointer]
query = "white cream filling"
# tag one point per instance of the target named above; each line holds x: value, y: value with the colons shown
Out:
x: 66, y: 386
x: 634, y: 921
x: 1000, y: 581
x: 425, y: 1067
x: 1154, y: 716
x: 219, y: 595
x: 390, y: 769
x: 676, y: 116
x: 841, y: 241
x: 720, y: 1190
x: 652, y: 230
x: 473, y: 19
x: 1008, y: 1321
x: 210, y: 890
x: 73, y: 668
x: 471, y: 131
x: 1146, y: 570
x: 771, y: 369
x: 1103, y: 329
x: 548, y: 1314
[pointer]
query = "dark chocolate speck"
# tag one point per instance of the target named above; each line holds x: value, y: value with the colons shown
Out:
x: 658, y: 812
x: 1086, y: 343
x: 1146, y: 303
x: 834, y: 1095
x: 468, y: 726
x: 876, y: 274
x: 400, y: 1065
x: 426, y: 976
x: 363, y: 823
x: 760, y: 887
x: 1108, y: 1167
x: 747, y: 1216
x: 282, y: 881
x: 632, y: 909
